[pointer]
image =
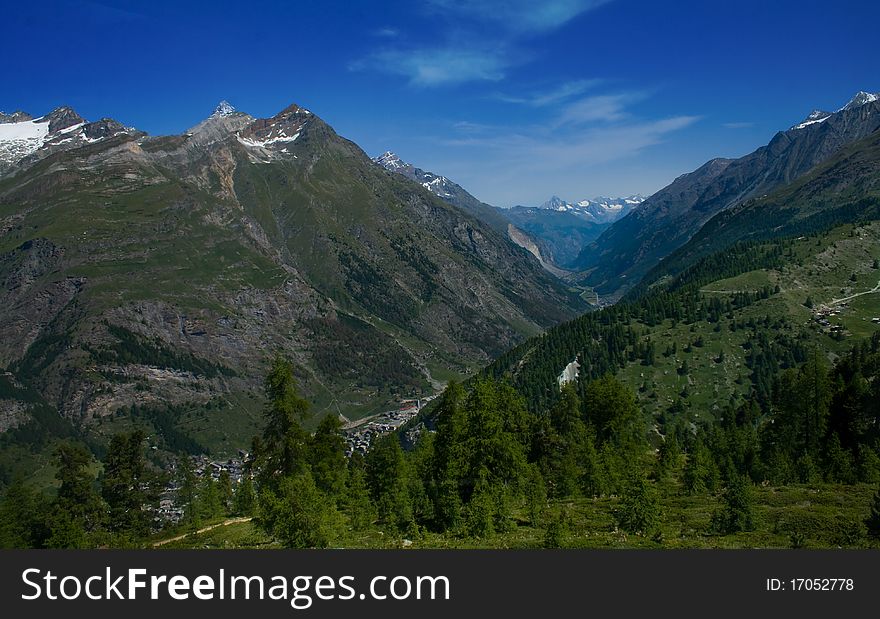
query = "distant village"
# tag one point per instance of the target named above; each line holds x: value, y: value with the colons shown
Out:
x: 170, y: 509
x: 358, y: 436
x: 822, y: 314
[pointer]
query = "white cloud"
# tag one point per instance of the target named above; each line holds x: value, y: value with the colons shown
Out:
x: 555, y: 95
x: 519, y: 17
x: 499, y: 26
x: 439, y: 66
x: 604, y: 108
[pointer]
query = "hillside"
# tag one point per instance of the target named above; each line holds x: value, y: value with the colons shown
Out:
x: 716, y: 334
x: 625, y: 252
x: 844, y: 189
x: 164, y: 272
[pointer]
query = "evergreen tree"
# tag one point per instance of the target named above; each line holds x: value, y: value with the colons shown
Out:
x: 245, y: 500
x: 612, y: 411
x: 127, y: 486
x: 358, y: 505
x: 209, y: 503
x: 386, y: 474
x: 536, y: 495
x: 77, y: 496
x: 23, y: 515
x: 187, y: 493
x: 283, y: 450
x: 737, y: 514
x: 449, y: 460
x: 299, y: 514
x: 224, y: 489
x: 669, y: 458
x: 558, y: 529
x: 639, y: 508
x: 700, y: 472
x: 479, y: 513
x: 328, y: 456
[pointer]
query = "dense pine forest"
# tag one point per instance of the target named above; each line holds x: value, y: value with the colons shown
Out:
x: 490, y: 467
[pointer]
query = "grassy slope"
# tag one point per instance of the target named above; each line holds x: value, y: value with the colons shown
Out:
x: 820, y: 269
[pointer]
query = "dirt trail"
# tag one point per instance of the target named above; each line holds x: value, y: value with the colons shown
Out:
x: 226, y: 522
x: 858, y: 294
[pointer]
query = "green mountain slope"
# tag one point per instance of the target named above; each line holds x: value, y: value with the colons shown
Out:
x: 717, y: 340
x: 844, y: 189
x: 625, y: 252
x: 164, y: 272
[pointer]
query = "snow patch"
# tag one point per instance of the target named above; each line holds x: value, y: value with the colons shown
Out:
x: 18, y: 140
x: 570, y: 373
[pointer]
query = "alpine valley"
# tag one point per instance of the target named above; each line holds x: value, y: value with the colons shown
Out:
x: 165, y: 272
x: 179, y: 295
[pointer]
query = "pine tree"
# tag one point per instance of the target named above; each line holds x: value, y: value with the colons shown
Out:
x: 224, y: 489
x: 187, y: 493
x: 386, y: 473
x: 77, y: 496
x: 283, y: 450
x: 357, y: 503
x: 639, y: 508
x: 536, y: 495
x: 328, y: 456
x: 558, y: 529
x: 209, y: 504
x: 737, y: 514
x: 669, y: 458
x: 448, y: 460
x: 127, y: 486
x: 23, y: 515
x: 299, y: 514
x: 245, y: 501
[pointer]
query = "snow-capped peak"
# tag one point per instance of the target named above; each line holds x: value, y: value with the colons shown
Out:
x: 61, y: 129
x: 390, y: 161
x: 861, y: 98
x: 816, y: 116
x: 224, y: 108
x: 601, y: 209
x: 440, y: 186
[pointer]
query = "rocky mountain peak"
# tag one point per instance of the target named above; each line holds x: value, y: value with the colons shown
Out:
x: 224, y: 108
x: 279, y: 131
x: 814, y: 117
x: 390, y: 161
x: 16, y: 117
x: 554, y: 203
x: 861, y: 98
x: 291, y: 111
x: 62, y: 118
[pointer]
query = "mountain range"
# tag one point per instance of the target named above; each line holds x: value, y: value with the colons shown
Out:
x: 632, y: 246
x: 166, y: 271
x: 562, y: 229
x: 555, y: 232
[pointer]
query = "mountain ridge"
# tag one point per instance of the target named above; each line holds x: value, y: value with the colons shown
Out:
x: 634, y: 244
x: 182, y: 261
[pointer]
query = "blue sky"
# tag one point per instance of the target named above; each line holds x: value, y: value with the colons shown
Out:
x: 514, y: 100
